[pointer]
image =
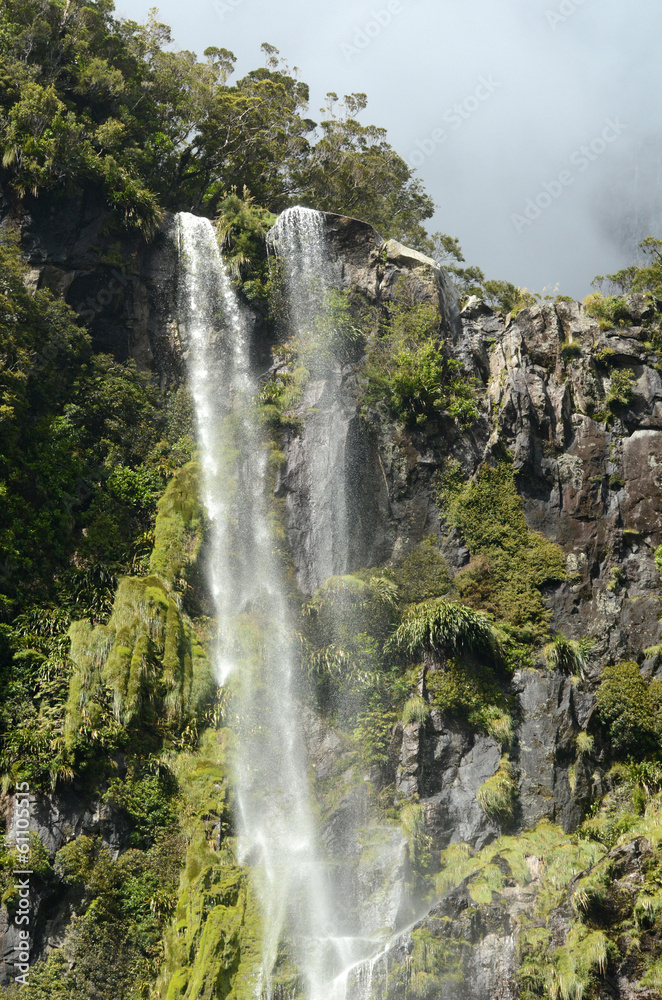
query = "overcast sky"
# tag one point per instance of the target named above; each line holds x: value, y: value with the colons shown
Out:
x: 534, y: 124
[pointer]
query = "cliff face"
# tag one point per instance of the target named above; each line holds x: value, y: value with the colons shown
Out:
x: 585, y: 442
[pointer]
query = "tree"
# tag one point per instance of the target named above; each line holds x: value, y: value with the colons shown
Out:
x: 447, y: 629
x: 638, y: 277
x: 352, y: 169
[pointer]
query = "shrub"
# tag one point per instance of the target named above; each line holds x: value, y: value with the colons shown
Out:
x: 630, y: 708
x: 620, y: 392
x: 610, y: 311
x: 408, y: 369
x: 423, y: 574
x: 509, y: 561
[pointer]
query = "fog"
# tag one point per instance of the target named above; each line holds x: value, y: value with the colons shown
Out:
x: 534, y: 124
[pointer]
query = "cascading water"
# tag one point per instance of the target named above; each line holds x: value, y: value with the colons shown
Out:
x: 302, y: 903
x: 277, y: 832
x: 299, y: 240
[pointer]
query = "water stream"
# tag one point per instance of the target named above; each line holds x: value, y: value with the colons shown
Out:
x: 277, y: 834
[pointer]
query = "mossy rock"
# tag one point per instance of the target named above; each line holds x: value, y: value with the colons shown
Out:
x: 179, y: 525
x: 148, y: 656
x: 215, y: 951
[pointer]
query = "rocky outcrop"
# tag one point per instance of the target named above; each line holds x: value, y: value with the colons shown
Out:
x: 123, y: 289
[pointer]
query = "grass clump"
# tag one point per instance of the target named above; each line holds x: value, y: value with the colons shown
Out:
x: 416, y: 710
x: 569, y: 656
x: 497, y: 796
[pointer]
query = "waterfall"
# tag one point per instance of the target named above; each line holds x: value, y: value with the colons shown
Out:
x: 299, y: 240
x: 305, y: 903
x: 255, y: 654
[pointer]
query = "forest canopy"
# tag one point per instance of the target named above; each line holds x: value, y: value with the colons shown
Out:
x: 88, y: 99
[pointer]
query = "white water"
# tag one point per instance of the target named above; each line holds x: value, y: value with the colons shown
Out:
x: 277, y: 832
x: 298, y: 238
x: 301, y: 906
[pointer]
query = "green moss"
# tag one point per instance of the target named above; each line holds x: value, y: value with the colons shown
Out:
x: 148, y: 657
x: 436, y: 959
x: 473, y: 692
x: 509, y: 561
x: 89, y: 647
x: 178, y: 529
x: 213, y: 949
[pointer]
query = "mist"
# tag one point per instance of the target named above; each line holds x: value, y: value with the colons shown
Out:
x: 533, y: 124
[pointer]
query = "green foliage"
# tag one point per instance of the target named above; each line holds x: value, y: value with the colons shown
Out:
x: 372, y: 734
x: 585, y: 743
x: 92, y: 101
x: 423, y: 574
x: 242, y: 229
x: 408, y: 369
x: 128, y: 902
x: 148, y: 802
x: 644, y: 278
x: 213, y: 947
x: 509, y: 561
x: 471, y: 691
x: 508, y: 298
x: 178, y: 527
x: 620, y: 392
x: 346, y: 624
x: 497, y: 796
x: 353, y: 170
x: 631, y: 708
x: 447, y: 629
x: 149, y: 657
x: 610, y: 311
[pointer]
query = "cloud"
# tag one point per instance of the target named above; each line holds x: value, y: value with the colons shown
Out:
x: 560, y: 80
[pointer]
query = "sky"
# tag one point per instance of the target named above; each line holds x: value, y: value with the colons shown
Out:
x: 535, y: 125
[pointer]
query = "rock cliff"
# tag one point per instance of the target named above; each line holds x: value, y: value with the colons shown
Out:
x: 576, y: 412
